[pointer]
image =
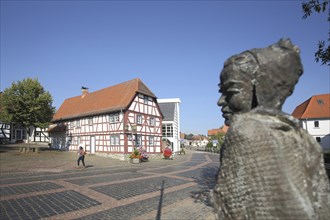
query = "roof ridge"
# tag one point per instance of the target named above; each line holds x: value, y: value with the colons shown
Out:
x: 116, y: 85
x: 109, y: 99
x: 143, y: 88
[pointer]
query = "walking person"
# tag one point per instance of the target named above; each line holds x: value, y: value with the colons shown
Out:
x: 81, y: 156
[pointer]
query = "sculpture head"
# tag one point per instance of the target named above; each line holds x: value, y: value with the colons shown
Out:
x: 259, y: 78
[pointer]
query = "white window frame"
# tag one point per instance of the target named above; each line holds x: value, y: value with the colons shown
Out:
x: 129, y: 136
x: 90, y: 121
x: 152, y: 121
x: 316, y: 124
x: 139, y: 119
x: 151, y: 141
x: 167, y: 130
x: 138, y: 140
x: 113, y: 118
x: 114, y: 140
x: 145, y: 99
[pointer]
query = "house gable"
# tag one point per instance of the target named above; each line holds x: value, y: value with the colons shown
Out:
x: 314, y: 117
x: 317, y: 106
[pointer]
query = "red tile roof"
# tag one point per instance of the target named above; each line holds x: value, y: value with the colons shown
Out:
x: 110, y: 99
x: 222, y: 130
x: 317, y: 106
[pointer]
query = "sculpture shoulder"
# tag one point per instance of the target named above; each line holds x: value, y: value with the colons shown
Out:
x: 277, y: 129
x: 255, y: 121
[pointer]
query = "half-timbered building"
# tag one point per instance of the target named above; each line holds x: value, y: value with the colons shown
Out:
x: 15, y: 133
x: 5, y: 132
x: 113, y: 120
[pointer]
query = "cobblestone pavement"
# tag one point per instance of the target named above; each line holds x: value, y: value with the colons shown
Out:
x: 47, y: 185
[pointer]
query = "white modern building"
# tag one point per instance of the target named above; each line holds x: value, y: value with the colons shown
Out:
x: 314, y: 117
x: 170, y: 109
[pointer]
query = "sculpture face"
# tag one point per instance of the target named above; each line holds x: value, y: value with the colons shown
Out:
x: 259, y: 78
x: 237, y: 93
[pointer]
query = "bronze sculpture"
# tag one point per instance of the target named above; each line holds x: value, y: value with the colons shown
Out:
x: 270, y: 168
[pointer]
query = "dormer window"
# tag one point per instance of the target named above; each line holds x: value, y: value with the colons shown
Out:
x: 320, y: 101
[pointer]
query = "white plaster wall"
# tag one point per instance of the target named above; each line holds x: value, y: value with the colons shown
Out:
x: 323, y: 131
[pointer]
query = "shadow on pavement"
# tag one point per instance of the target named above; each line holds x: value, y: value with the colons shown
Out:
x: 160, y: 204
x: 5, y: 148
x: 206, y: 181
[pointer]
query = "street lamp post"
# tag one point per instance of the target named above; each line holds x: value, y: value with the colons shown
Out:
x: 134, y: 134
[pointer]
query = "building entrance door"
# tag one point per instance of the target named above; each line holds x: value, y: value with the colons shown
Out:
x: 92, y: 140
x: 18, y: 134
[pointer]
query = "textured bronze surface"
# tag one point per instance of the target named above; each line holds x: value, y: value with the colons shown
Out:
x: 270, y: 168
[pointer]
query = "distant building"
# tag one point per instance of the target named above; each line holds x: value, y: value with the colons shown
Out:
x: 182, y: 135
x: 170, y: 109
x: 199, y: 141
x: 112, y: 120
x: 222, y: 130
x: 314, y: 117
x: 15, y: 133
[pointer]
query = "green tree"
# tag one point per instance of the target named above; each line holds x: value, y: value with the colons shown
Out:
x: 28, y: 104
x: 323, y: 52
x: 219, y: 138
x: 189, y: 136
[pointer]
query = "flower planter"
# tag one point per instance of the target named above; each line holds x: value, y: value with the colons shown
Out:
x: 167, y: 153
x: 135, y: 160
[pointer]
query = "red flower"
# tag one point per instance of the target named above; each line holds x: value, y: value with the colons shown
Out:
x: 167, y: 152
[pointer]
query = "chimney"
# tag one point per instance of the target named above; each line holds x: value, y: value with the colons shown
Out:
x: 84, y: 91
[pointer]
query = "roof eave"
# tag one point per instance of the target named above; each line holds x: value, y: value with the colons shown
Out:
x: 89, y: 114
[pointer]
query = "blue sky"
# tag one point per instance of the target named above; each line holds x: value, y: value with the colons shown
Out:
x: 177, y: 48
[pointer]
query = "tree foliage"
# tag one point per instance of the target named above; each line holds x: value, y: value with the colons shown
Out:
x: 323, y: 52
x: 189, y: 136
x: 27, y: 103
x: 219, y: 137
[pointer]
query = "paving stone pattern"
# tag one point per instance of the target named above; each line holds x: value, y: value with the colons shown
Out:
x: 138, y: 187
x: 51, y: 176
x: 104, y: 179
x: 28, y: 188
x: 41, y: 206
x: 159, y: 189
x: 142, y: 207
x: 167, y: 169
